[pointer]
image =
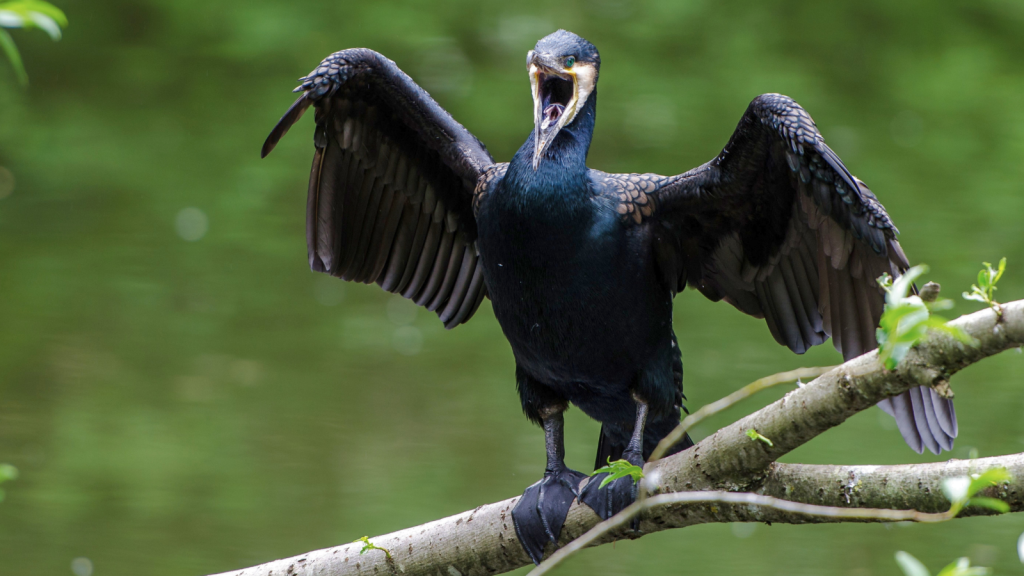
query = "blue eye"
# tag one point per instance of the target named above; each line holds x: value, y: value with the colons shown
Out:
x: 569, y: 62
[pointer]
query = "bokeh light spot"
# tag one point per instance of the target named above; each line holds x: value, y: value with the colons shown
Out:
x: 407, y: 340
x: 402, y: 312
x: 191, y: 224
x: 81, y: 567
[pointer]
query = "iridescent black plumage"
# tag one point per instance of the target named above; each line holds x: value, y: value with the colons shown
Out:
x: 581, y: 266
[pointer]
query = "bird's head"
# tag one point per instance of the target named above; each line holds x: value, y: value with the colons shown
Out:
x: 563, y: 74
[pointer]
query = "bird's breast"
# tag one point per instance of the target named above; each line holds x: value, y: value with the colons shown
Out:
x: 563, y: 281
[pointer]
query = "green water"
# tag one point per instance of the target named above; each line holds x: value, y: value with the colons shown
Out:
x: 191, y: 406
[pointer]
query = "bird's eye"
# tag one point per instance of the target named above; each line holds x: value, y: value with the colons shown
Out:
x: 569, y: 62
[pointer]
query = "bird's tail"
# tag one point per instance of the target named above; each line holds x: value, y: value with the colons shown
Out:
x: 925, y: 419
x: 613, y: 443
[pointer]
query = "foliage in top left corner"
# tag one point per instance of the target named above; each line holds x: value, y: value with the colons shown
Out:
x: 28, y: 14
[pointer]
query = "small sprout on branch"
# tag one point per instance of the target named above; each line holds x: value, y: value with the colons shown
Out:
x: 986, y: 286
x: 619, y: 469
x: 367, y: 546
x: 961, y: 567
x: 907, y: 318
x: 755, y: 435
x: 961, y: 491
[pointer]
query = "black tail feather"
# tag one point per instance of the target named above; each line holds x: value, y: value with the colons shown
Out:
x: 607, y: 450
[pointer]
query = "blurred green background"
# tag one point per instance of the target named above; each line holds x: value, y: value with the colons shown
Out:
x: 183, y: 396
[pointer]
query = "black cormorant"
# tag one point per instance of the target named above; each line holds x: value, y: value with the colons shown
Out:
x: 580, y: 265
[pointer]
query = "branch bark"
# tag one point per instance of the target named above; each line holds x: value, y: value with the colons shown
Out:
x: 483, y: 541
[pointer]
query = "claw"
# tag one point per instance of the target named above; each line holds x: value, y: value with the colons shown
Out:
x: 610, y: 500
x: 539, y: 514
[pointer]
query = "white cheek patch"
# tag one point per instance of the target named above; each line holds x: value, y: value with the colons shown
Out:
x: 586, y: 79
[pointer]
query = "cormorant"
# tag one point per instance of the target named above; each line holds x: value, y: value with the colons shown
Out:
x: 581, y: 266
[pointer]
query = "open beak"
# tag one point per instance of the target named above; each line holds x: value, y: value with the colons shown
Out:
x: 555, y: 99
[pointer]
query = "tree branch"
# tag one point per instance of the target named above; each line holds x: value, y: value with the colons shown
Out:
x: 483, y: 541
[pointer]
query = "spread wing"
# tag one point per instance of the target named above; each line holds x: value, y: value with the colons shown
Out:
x: 779, y: 228
x: 391, y: 189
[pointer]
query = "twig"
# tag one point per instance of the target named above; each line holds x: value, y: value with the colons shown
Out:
x: 627, y: 514
x: 741, y: 394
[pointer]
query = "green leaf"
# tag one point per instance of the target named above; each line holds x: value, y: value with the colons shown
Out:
x: 975, y: 297
x: 46, y: 24
x: 962, y: 567
x: 884, y: 281
x: 10, y: 19
x: 618, y: 469
x: 940, y: 325
x: 911, y: 566
x: 984, y: 290
x: 939, y: 304
x: 28, y: 14
x: 25, y: 8
x: 990, y: 503
x: 988, y: 478
x: 961, y: 490
x: 7, y: 43
x: 367, y: 546
x: 906, y: 319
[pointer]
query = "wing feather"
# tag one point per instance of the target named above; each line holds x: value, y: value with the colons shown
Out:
x: 462, y: 283
x: 311, y: 205
x: 451, y: 272
x: 426, y: 263
x: 777, y: 226
x: 399, y: 255
x: 438, y: 270
x: 416, y: 252
x: 392, y: 185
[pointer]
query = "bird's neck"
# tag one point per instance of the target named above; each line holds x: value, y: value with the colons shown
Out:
x: 563, y: 168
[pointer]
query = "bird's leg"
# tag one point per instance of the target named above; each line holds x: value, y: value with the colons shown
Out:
x: 554, y: 442
x: 634, y: 453
x: 539, y: 514
x: 618, y: 494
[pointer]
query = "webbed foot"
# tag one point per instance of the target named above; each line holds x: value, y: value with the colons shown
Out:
x: 618, y: 494
x: 540, y: 513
